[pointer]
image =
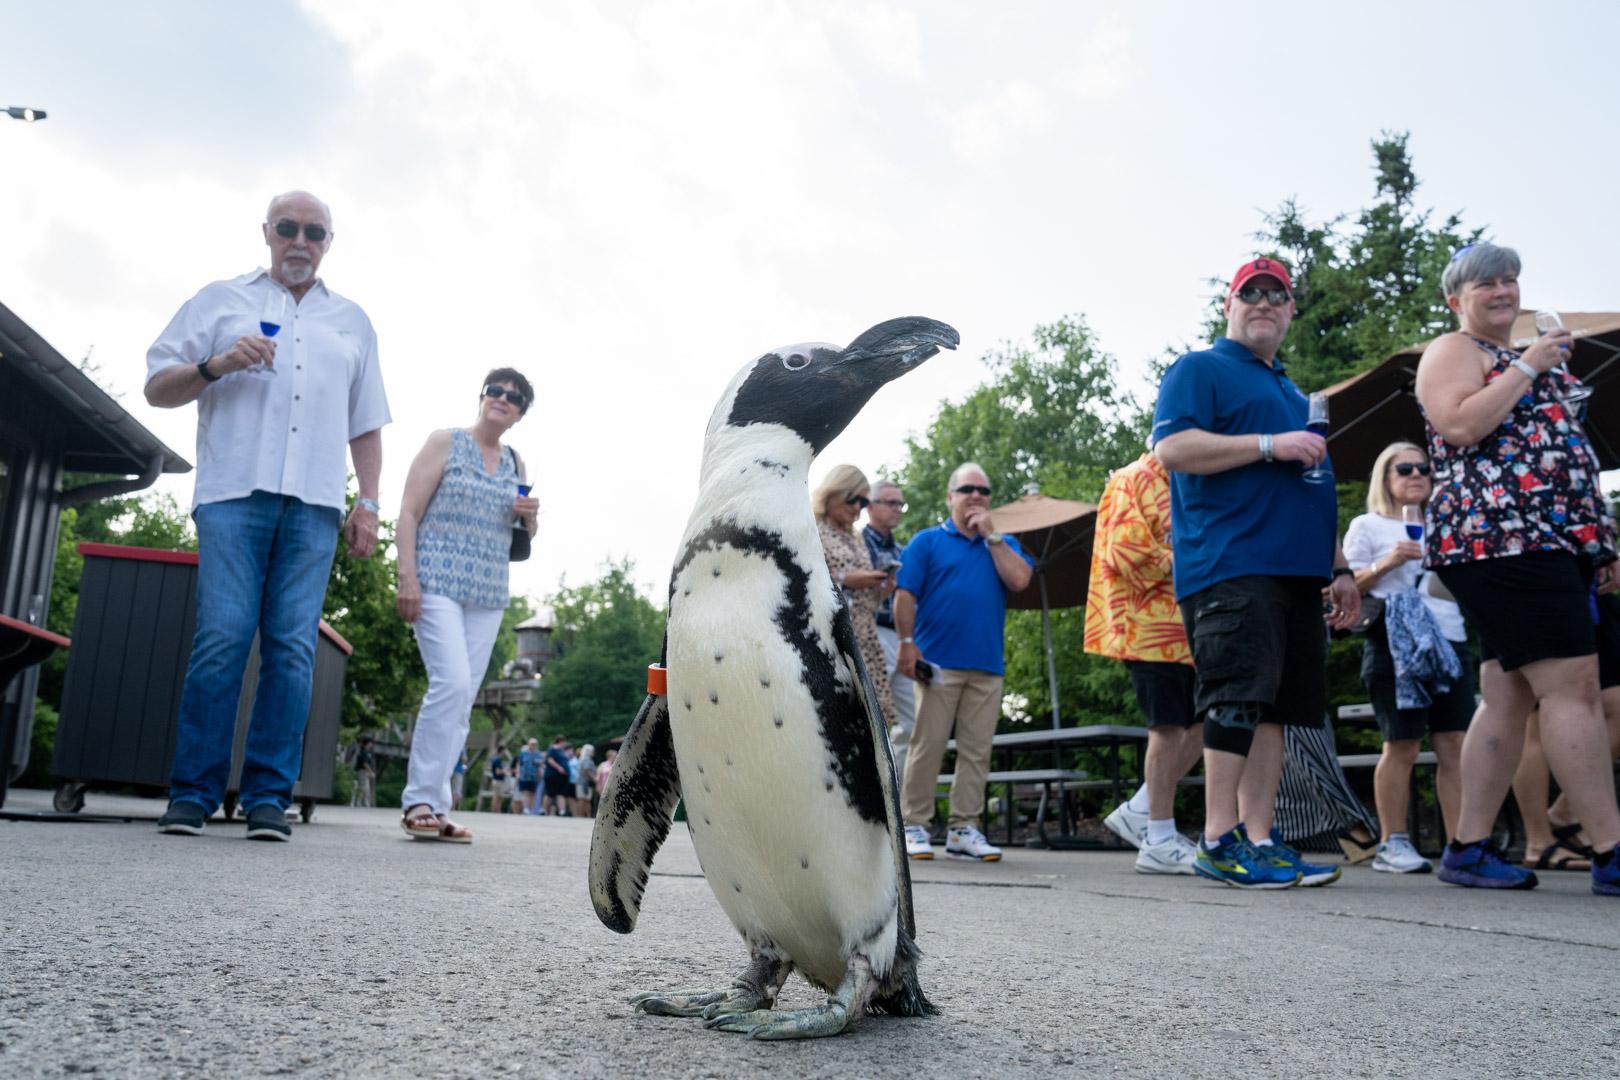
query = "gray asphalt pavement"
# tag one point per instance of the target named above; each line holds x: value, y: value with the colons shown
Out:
x: 355, y: 952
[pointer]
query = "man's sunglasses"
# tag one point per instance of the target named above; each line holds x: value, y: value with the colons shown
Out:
x: 858, y: 500
x: 514, y: 396
x: 1251, y: 294
x: 289, y: 229
x: 972, y: 489
x: 893, y: 504
x: 1407, y: 468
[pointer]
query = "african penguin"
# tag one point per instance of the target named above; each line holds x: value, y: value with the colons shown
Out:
x: 769, y: 729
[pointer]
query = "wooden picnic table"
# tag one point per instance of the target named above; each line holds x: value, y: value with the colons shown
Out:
x: 1059, y: 745
x: 22, y: 645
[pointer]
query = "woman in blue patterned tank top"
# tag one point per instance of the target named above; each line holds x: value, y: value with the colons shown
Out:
x: 1519, y: 533
x: 455, y: 534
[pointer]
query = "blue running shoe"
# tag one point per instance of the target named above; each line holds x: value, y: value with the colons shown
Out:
x: 1234, y: 861
x: 1286, y: 857
x: 1480, y: 866
x: 1606, y: 873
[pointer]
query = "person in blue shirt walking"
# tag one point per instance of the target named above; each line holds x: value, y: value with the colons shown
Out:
x: 1254, y: 544
x: 529, y: 774
x: 950, y: 610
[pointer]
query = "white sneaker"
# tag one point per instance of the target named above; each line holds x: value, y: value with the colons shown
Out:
x: 1174, y: 856
x: 966, y: 842
x: 918, y: 845
x: 1397, y: 856
x: 1128, y: 825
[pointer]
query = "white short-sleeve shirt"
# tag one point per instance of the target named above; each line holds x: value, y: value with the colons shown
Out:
x: 286, y: 433
x: 1372, y: 536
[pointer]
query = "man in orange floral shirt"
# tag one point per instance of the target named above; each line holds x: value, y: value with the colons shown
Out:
x: 1131, y: 615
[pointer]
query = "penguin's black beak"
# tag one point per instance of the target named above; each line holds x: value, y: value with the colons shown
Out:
x: 890, y: 349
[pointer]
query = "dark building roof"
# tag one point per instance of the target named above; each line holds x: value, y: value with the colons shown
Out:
x: 97, y: 434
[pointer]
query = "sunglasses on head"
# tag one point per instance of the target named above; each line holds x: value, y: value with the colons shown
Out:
x: 858, y: 500
x: 289, y: 229
x: 1407, y: 468
x: 972, y: 489
x: 1460, y: 252
x: 514, y: 396
x: 1251, y: 294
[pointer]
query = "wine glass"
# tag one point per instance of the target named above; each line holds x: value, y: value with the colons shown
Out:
x: 270, y: 323
x: 1316, y: 422
x: 1412, y: 518
x: 1572, y: 391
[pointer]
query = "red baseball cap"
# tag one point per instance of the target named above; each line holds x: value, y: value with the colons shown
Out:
x: 1261, y: 268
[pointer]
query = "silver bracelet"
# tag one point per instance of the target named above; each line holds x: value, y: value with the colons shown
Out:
x: 1267, y: 448
x: 1518, y: 362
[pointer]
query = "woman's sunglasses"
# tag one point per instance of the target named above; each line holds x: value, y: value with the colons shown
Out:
x: 858, y: 500
x: 289, y: 229
x: 514, y: 396
x: 1407, y: 468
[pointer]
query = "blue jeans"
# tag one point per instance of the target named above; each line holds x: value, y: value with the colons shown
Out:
x: 263, y: 565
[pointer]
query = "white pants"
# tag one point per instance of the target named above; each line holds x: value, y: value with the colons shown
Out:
x: 455, y: 642
x: 904, y: 694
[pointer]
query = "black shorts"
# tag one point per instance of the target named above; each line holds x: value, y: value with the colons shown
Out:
x: 1608, y: 641
x: 558, y: 787
x: 1450, y: 711
x: 528, y: 785
x: 1164, y: 691
x: 1525, y: 608
x: 1261, y: 640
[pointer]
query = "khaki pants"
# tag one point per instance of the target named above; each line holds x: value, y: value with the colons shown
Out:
x: 970, y: 703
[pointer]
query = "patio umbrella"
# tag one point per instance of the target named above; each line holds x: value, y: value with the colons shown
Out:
x: 1379, y: 406
x: 1057, y: 534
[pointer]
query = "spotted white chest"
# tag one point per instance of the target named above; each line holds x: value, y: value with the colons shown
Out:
x: 792, y: 864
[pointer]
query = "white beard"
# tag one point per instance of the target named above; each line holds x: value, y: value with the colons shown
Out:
x: 296, y: 271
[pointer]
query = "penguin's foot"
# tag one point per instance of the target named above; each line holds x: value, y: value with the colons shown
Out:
x: 830, y: 1019
x: 754, y: 992
x: 704, y: 1003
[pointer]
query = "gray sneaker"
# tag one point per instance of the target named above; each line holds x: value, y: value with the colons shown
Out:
x: 267, y: 821
x: 1174, y: 856
x: 183, y: 819
x: 1397, y: 856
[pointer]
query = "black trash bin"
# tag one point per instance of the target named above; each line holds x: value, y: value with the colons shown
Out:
x: 121, y: 695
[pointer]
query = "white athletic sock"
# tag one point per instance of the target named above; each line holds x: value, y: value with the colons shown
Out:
x: 1267, y: 842
x: 1138, y: 803
x: 1161, y: 832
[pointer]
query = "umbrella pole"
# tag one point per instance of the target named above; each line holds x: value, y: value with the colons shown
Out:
x: 1051, y: 662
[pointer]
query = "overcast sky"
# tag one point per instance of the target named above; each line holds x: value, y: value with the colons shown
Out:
x: 628, y: 201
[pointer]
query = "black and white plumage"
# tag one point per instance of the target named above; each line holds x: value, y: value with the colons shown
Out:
x: 769, y: 730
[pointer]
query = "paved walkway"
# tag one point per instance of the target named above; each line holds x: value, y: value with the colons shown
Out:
x: 354, y: 952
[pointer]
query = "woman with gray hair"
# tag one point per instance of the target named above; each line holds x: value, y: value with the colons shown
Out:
x: 1518, y: 533
x: 837, y: 502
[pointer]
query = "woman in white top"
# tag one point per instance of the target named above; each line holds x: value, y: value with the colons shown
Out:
x: 1388, y: 560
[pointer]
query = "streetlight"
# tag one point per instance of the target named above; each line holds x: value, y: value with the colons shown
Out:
x: 26, y: 115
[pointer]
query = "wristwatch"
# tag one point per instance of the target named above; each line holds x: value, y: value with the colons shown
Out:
x: 368, y: 504
x: 908, y: 641
x: 993, y: 538
x: 1343, y: 571
x: 208, y: 376
x: 1267, y: 448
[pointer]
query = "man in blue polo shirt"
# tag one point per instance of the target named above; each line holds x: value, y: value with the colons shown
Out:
x: 949, y: 610
x: 1254, y: 543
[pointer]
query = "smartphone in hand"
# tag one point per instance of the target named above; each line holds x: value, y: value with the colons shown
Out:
x: 925, y: 672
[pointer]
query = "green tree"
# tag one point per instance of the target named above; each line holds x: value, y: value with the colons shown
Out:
x: 1052, y: 415
x: 607, y: 633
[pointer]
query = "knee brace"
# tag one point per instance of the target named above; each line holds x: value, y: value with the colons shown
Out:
x: 1230, y: 726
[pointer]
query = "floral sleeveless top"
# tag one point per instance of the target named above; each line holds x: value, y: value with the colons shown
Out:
x: 465, y: 538
x: 1530, y: 485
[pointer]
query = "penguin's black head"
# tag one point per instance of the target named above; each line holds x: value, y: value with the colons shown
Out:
x: 816, y: 390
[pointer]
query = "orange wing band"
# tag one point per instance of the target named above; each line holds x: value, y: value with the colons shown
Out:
x: 657, y: 680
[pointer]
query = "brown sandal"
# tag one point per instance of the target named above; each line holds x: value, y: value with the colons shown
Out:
x: 451, y: 833
x: 420, y: 825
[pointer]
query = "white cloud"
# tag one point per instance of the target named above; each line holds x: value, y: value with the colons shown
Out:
x: 1105, y: 64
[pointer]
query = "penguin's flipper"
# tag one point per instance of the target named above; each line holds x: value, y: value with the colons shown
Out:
x: 634, y: 816
x: 850, y: 650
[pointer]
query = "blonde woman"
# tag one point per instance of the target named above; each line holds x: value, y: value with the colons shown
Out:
x: 837, y: 502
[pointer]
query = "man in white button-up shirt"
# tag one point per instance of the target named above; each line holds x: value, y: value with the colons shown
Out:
x: 284, y: 372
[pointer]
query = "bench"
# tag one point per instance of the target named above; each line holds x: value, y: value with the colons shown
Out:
x: 1031, y: 777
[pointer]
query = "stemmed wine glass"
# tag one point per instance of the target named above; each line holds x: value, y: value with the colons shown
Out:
x: 1412, y: 518
x: 1574, y: 392
x: 270, y: 323
x: 1316, y: 421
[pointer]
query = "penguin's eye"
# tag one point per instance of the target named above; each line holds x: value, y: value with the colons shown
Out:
x: 796, y: 362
